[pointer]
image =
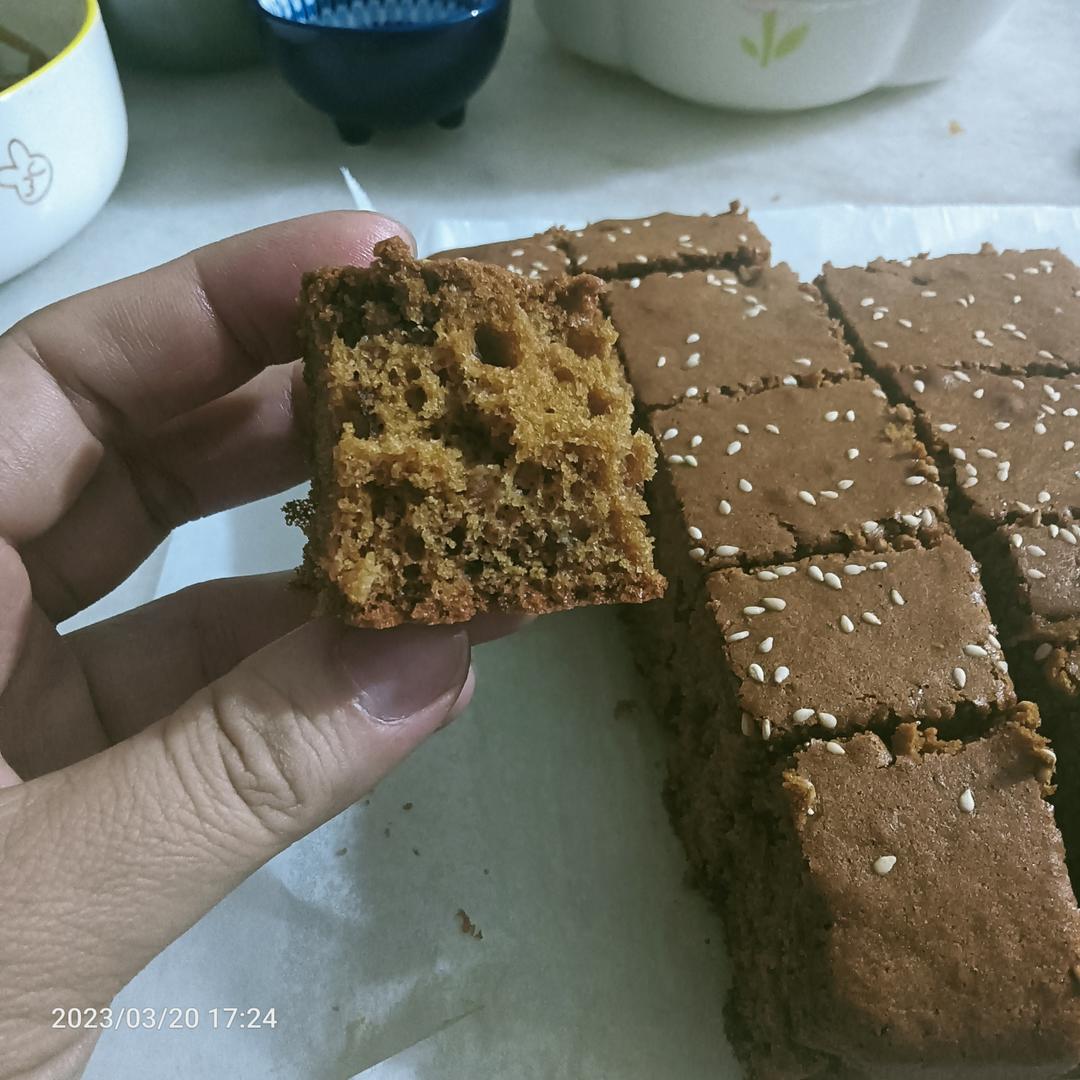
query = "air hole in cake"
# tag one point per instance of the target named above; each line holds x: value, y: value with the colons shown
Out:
x: 470, y: 432
x: 564, y: 374
x: 414, y: 546
x: 416, y: 398
x: 530, y: 477
x: 599, y: 403
x: 390, y: 503
x: 585, y: 342
x: 495, y: 347
x: 456, y: 537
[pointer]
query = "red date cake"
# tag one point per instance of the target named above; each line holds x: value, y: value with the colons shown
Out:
x: 473, y: 445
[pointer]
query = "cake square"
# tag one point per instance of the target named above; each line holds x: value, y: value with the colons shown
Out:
x: 473, y: 445
x: 764, y: 477
x: 1015, y: 311
x: 667, y: 242
x: 839, y: 643
x: 1013, y: 441
x: 704, y: 332
x: 539, y: 257
x: 906, y: 913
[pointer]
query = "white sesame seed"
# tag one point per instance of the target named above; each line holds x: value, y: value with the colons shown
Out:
x: 914, y: 481
x: 807, y: 498
x: 911, y: 519
x: 849, y: 416
x: 970, y: 482
x: 694, y: 532
x: 1016, y: 540
x: 697, y: 553
x: 882, y: 344
x: 1002, y: 425
x: 753, y: 609
x: 928, y: 294
x: 1044, y: 496
x: 967, y: 801
x: 854, y: 569
x: 1034, y: 549
x: 766, y: 645
x: 671, y: 433
x: 959, y: 453
x: 640, y: 259
x: 725, y: 551
x: 800, y: 716
x: 883, y: 864
x: 834, y: 747
x: 742, y: 429
x: 790, y: 380
x: 695, y: 441
x: 1008, y: 274
x: 846, y: 625
x: 1069, y: 412
x: 780, y: 674
x: 832, y: 415
x: 1035, y: 574
x: 978, y: 394
x: 738, y: 635
x: 692, y: 360
x: 1018, y: 383
x: 774, y: 603
x: 905, y: 323
x: 993, y: 641
x: 828, y: 493
x: 745, y: 486
x: 1044, y: 650
x: 959, y: 677
x: 920, y: 386
x: 983, y: 452
x: 733, y: 447
x: 1040, y: 428
x: 833, y: 581
x: 866, y: 301
x: 690, y: 460
x: 803, y: 361
x: 871, y: 618
x: 783, y: 571
x: 767, y: 575
x: 772, y: 429
x: 815, y: 572
x: 1053, y: 529
x: 692, y: 339
x: 976, y: 650
x: 870, y: 527
x: 635, y: 283
x: 1023, y: 507
x: 852, y: 454
x: 691, y: 391
x: 747, y: 724
x: 879, y: 393
x: 881, y: 565
x: 724, y: 507
x: 1031, y: 269
x: 947, y: 427
x: 676, y: 459
x: 661, y: 361
x: 896, y: 598
x: 828, y: 721
x: 757, y: 673
x: 963, y: 376
x: 1068, y: 537
x: 766, y: 729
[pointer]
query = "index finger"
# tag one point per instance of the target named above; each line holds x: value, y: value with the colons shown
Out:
x: 107, y: 367
x: 155, y: 345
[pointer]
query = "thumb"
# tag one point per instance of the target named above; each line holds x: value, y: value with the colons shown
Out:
x: 107, y: 861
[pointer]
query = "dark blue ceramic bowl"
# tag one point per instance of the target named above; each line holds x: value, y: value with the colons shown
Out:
x: 379, y: 64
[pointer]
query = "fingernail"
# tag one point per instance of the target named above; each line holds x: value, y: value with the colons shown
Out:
x: 398, y: 673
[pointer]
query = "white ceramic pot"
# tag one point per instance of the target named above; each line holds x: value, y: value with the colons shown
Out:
x: 63, y: 130
x: 774, y: 54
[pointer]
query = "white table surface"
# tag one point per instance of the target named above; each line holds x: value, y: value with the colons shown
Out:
x: 548, y: 138
x: 212, y: 155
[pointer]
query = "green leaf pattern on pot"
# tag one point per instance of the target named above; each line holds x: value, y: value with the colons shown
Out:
x: 769, y: 48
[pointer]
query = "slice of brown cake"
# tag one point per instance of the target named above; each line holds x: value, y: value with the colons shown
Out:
x: 473, y: 447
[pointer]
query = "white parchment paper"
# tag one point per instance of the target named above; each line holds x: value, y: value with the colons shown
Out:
x: 538, y: 813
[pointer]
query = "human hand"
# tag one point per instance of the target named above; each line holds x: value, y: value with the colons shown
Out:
x: 152, y: 762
